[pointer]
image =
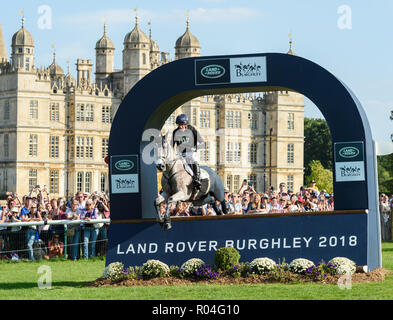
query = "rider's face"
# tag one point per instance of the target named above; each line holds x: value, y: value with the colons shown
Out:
x: 182, y: 127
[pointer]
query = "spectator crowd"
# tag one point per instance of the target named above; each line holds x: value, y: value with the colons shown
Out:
x: 248, y: 201
x: 385, y: 211
x: 48, y: 241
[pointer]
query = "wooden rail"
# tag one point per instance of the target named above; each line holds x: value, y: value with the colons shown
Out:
x: 247, y: 216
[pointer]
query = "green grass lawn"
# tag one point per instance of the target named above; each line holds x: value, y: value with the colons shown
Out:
x: 19, y: 281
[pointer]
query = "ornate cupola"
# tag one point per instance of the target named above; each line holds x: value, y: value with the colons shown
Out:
x: 23, y: 49
x: 187, y: 45
x: 105, y: 53
x: 136, y: 56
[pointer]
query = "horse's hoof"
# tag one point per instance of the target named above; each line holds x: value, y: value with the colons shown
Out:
x: 167, y: 226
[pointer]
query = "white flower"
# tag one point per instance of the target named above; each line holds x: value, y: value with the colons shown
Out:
x: 113, y: 271
x: 300, y: 265
x: 191, y: 266
x: 344, y: 269
x: 155, y: 268
x: 344, y: 265
x: 260, y: 265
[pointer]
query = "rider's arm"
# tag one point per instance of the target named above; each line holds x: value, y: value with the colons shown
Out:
x: 201, y: 144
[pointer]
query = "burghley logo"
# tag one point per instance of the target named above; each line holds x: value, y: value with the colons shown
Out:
x: 248, y: 69
x: 213, y: 71
x: 124, y: 165
x: 349, y: 152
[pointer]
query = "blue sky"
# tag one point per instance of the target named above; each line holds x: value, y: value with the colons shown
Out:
x: 359, y: 56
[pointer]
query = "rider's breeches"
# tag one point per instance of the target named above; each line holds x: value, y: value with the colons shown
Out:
x: 191, y: 157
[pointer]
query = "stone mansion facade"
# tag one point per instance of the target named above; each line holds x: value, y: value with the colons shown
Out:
x: 54, y: 128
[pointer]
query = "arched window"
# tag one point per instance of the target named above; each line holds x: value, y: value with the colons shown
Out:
x: 144, y: 58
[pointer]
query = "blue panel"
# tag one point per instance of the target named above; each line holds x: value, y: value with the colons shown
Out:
x: 313, y: 237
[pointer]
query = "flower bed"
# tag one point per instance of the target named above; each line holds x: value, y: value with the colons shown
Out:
x: 260, y: 270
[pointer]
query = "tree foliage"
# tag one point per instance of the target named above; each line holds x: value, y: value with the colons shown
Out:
x: 385, y: 174
x: 391, y: 118
x: 317, y: 144
x: 323, y: 177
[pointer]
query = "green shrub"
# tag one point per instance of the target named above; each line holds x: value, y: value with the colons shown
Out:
x: 174, y: 271
x: 226, y: 258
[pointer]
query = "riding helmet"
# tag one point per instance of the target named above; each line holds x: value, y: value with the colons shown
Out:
x: 182, y: 119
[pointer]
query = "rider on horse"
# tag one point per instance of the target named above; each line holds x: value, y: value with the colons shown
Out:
x: 187, y: 141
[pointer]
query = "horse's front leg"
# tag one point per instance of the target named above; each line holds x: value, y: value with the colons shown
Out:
x: 157, y: 203
x: 178, y: 196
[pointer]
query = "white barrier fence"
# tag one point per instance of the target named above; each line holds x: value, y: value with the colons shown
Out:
x: 53, y: 222
x: 13, y: 238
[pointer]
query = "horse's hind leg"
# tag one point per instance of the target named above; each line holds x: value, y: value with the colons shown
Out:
x: 224, y: 206
x: 218, y: 211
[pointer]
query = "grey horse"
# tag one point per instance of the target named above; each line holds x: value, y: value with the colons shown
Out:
x: 177, y: 184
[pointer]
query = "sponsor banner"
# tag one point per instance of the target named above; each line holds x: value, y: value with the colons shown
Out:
x: 249, y: 69
x: 125, y: 183
x: 349, y: 151
x: 235, y: 70
x: 350, y: 171
x: 314, y: 237
x: 212, y: 71
x: 124, y: 172
x: 349, y: 161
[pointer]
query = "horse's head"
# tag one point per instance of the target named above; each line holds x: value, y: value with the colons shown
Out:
x: 164, y: 152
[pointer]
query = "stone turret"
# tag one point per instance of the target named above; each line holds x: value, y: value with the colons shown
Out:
x: 84, y: 68
x: 105, y: 53
x: 3, y: 49
x: 154, y: 52
x: 136, y: 56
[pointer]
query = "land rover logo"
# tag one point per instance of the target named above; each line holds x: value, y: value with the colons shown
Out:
x: 213, y: 71
x: 349, y: 152
x: 124, y: 165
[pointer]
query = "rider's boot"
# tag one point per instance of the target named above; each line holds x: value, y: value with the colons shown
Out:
x: 196, y: 178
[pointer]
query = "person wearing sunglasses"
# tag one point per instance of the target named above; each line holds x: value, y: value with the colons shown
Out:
x: 81, y: 200
x: 90, y: 232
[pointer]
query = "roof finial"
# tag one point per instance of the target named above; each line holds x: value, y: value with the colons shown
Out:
x: 23, y: 18
x: 104, y: 21
x: 188, y: 20
x: 290, y: 44
x: 54, y: 53
x: 149, y: 24
x: 136, y: 16
x: 68, y: 66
